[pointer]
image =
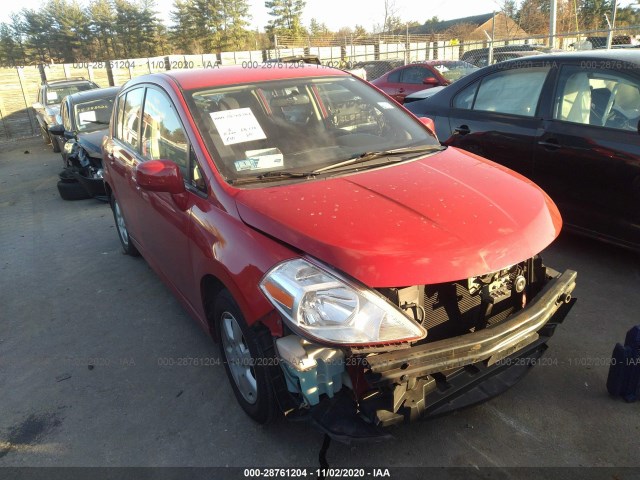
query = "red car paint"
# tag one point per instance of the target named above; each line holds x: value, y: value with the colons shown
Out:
x: 440, y: 218
x: 398, y: 88
x: 447, y: 217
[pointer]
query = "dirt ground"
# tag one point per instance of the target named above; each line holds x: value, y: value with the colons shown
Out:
x: 85, y: 334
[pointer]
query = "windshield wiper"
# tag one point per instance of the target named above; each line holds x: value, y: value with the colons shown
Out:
x: 367, y: 156
x: 273, y: 175
x: 99, y: 122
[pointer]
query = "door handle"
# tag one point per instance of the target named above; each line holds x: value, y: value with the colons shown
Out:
x: 551, y: 144
x: 401, y: 90
x: 462, y: 130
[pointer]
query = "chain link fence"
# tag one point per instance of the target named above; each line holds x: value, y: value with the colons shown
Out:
x: 370, y: 56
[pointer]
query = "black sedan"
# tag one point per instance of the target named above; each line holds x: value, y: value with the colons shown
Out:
x: 570, y: 122
x: 84, y: 121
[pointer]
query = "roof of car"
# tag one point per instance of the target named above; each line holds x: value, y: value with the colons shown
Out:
x: 221, y: 76
x: 630, y: 56
x: 92, y: 94
x: 66, y: 81
x: 389, y: 60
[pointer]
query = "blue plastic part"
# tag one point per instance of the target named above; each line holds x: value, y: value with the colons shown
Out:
x: 325, y: 378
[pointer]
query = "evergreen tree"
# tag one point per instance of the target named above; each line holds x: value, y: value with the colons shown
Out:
x: 287, y: 17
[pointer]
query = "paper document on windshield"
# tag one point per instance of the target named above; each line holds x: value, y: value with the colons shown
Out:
x: 260, y: 159
x: 237, y: 126
x: 87, y: 117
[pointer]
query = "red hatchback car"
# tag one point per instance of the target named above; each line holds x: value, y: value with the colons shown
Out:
x: 403, y: 81
x: 353, y: 271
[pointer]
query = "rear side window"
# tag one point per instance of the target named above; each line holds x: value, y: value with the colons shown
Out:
x: 129, y: 107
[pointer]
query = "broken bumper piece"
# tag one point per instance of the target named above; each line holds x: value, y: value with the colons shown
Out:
x: 434, y: 378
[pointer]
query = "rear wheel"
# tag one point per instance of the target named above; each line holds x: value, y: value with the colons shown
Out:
x: 246, y: 357
x: 121, y: 227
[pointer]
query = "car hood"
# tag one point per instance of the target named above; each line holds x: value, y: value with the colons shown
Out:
x: 426, y: 93
x: 445, y: 217
x: 92, y: 142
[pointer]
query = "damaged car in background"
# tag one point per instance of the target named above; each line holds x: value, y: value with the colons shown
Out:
x: 354, y: 272
x: 84, y: 120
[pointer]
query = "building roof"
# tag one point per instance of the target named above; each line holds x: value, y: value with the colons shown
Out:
x: 505, y: 27
x: 443, y: 26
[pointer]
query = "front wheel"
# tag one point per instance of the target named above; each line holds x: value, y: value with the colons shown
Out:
x: 123, y: 234
x: 247, y: 354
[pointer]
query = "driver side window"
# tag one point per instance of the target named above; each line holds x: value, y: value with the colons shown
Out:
x: 415, y: 75
x: 602, y: 98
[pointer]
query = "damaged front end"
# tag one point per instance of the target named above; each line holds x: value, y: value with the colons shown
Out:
x: 85, y: 169
x: 482, y: 335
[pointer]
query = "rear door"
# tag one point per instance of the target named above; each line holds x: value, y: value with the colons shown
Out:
x: 588, y: 152
x: 122, y: 152
x: 497, y: 115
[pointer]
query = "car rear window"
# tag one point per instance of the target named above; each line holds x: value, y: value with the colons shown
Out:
x: 54, y: 95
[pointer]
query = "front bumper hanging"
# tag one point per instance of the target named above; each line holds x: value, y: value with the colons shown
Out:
x: 490, y: 344
x: 435, y: 378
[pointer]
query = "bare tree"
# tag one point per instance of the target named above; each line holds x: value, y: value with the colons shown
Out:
x: 390, y: 13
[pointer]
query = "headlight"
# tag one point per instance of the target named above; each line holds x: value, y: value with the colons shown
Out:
x: 327, y: 308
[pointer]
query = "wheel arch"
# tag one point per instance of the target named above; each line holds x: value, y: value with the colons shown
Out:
x: 211, y: 285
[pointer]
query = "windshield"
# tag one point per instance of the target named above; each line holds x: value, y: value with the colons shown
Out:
x: 299, y: 125
x: 93, y: 115
x: 453, y: 71
x: 56, y: 94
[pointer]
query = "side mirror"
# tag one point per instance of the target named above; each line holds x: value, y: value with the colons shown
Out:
x: 69, y: 135
x: 160, y: 176
x: 429, y: 123
x: 57, y: 130
x: 433, y: 81
x: 37, y: 106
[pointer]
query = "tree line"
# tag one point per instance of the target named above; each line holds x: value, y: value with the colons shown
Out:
x: 63, y: 31
x: 571, y: 15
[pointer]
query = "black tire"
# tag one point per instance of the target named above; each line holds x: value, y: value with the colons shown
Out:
x: 67, y: 176
x: 54, y: 144
x: 253, y: 367
x: 72, y: 191
x: 121, y: 228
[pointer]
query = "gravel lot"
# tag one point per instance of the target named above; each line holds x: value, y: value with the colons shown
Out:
x: 85, y: 331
